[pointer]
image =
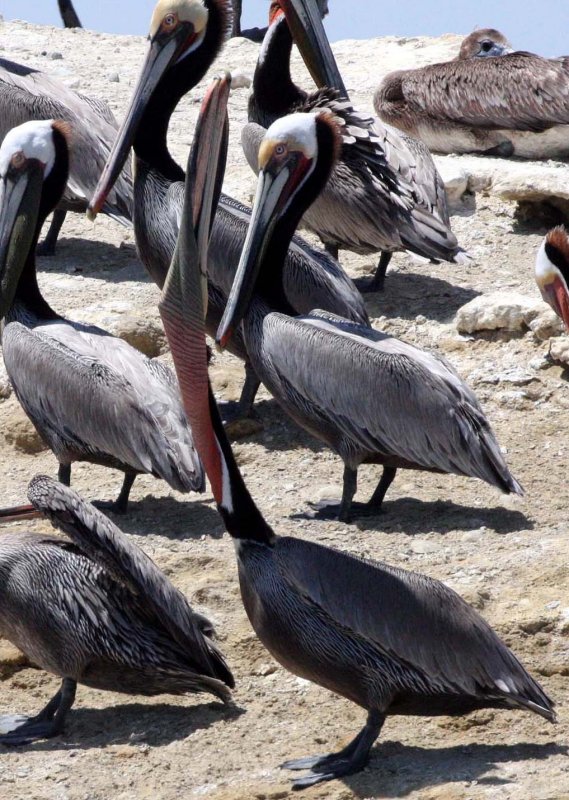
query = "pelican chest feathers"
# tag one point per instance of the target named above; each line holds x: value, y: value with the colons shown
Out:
x: 552, y: 272
x: 392, y: 641
x: 91, y: 396
x: 370, y: 397
x: 93, y: 609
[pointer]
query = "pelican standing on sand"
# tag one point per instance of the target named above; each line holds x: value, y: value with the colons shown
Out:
x: 552, y: 272
x: 27, y: 94
x: 368, y: 396
x: 185, y: 37
x: 391, y: 641
x: 94, y: 609
x: 92, y: 397
x: 516, y: 104
x: 385, y: 192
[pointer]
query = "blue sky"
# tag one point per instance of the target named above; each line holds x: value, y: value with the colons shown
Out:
x: 541, y: 27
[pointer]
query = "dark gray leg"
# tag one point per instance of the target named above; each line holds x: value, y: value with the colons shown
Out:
x: 351, y: 759
x: 49, y: 722
x: 249, y: 391
x: 385, y: 482
x: 64, y: 474
x: 47, y: 247
x: 120, y: 505
x: 377, y: 283
x: 331, y: 249
x: 236, y: 28
x: 348, y: 492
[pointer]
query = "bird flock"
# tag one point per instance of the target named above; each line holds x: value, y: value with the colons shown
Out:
x: 90, y: 606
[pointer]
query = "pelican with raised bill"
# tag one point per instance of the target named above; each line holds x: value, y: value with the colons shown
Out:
x: 370, y: 397
x: 385, y: 193
x: 92, y: 397
x: 552, y: 272
x: 512, y: 103
x: 185, y: 37
x: 391, y: 641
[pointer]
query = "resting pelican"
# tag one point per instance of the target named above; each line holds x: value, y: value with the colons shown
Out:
x: 385, y: 192
x: 91, y: 396
x: 552, y: 272
x: 393, y: 642
x: 27, y: 94
x: 185, y: 37
x: 513, y: 105
x: 94, y: 609
x: 368, y: 396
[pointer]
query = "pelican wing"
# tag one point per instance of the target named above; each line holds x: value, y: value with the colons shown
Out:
x: 520, y: 91
x: 384, y: 395
x: 98, y: 393
x: 27, y: 94
x: 413, y: 619
x: 105, y: 544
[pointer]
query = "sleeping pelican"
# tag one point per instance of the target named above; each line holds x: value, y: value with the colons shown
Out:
x: 92, y: 397
x: 93, y: 609
x: 514, y: 105
x: 385, y: 192
x: 393, y: 642
x: 552, y: 272
x: 185, y: 37
x: 368, y: 396
x: 27, y: 94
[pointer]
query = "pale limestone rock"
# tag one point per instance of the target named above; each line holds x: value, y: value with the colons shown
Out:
x: 455, y: 179
x: 501, y: 310
x: 18, y: 430
x: 546, y: 324
x: 559, y: 350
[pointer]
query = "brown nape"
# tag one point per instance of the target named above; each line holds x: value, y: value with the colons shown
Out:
x: 328, y: 118
x: 64, y: 128
x: 559, y: 238
x: 471, y: 44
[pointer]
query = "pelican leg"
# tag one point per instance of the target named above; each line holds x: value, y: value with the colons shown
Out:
x: 249, y: 391
x: 377, y: 283
x: 49, y: 722
x: 64, y: 474
x: 47, y: 247
x: 351, y: 759
x: 343, y: 510
x: 120, y: 505
x: 387, y: 476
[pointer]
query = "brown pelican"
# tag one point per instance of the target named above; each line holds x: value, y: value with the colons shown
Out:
x: 91, y: 396
x: 393, y: 642
x: 27, y: 94
x: 513, y: 105
x: 368, y: 396
x: 94, y: 609
x: 385, y: 193
x: 552, y: 272
x: 185, y: 37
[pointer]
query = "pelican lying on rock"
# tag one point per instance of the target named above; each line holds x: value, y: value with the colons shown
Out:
x: 368, y: 396
x: 391, y: 641
x: 552, y: 272
x: 94, y: 609
x: 185, y: 37
x: 385, y: 192
x: 92, y: 397
x: 516, y: 104
x: 27, y: 94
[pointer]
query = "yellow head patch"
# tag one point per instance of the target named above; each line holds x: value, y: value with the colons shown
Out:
x: 169, y: 13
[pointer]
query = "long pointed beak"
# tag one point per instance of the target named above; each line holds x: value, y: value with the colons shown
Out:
x: 305, y: 23
x: 272, y: 196
x: 182, y: 305
x: 20, y: 197
x: 158, y: 59
x: 17, y: 513
x: 556, y: 295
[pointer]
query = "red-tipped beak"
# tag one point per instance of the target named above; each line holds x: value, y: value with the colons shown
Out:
x: 17, y: 513
x: 559, y: 299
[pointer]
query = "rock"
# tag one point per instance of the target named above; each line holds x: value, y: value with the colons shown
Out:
x: 5, y: 385
x: 19, y: 431
x: 455, y: 180
x: 240, y: 79
x: 423, y: 546
x: 508, y: 311
x: 546, y: 324
x: 113, y: 77
x: 240, y: 428
x: 559, y: 350
x: 11, y: 660
x: 147, y: 334
x: 56, y: 56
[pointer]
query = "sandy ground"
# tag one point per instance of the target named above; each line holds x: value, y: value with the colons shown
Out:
x: 508, y: 557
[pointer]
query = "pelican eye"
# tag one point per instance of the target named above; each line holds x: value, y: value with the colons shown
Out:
x: 280, y: 150
x: 169, y: 21
x: 18, y: 160
x: 486, y: 46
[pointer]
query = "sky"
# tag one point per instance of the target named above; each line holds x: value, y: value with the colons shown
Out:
x: 524, y: 23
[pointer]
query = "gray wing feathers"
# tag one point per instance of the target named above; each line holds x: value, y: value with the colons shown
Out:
x: 86, y: 388
x: 412, y: 618
x: 102, y: 542
x: 392, y: 398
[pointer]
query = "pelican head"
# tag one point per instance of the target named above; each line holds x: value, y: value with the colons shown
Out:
x: 33, y: 174
x: 185, y: 37
x: 296, y: 158
x: 485, y: 43
x: 552, y: 272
